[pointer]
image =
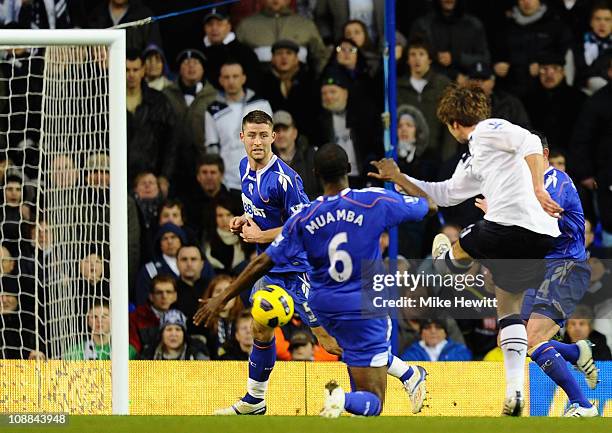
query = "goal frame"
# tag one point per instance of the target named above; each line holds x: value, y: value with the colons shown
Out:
x: 115, y: 41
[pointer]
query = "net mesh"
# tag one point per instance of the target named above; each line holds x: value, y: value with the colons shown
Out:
x: 55, y: 204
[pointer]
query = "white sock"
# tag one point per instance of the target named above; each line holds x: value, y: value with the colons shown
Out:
x: 513, y: 342
x: 257, y: 389
x: 398, y: 368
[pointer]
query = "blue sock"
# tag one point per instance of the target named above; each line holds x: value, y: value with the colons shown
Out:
x: 261, y: 363
x: 569, y: 351
x: 362, y: 403
x: 406, y: 375
x: 555, y: 367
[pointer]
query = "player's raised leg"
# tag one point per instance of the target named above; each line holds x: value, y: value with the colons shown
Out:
x: 580, y: 355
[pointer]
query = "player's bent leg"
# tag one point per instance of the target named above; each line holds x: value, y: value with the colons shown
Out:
x: 328, y: 342
x: 413, y: 380
x: 366, y: 400
x: 539, y: 329
x: 580, y: 354
x: 449, y: 257
x: 261, y: 363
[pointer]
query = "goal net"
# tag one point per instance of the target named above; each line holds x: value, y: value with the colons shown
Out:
x: 56, y: 249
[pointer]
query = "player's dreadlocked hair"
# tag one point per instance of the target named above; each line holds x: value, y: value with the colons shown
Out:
x: 258, y: 117
x: 466, y: 105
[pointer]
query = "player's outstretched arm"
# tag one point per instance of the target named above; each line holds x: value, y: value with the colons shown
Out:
x: 388, y: 171
x: 210, y: 308
x: 535, y: 162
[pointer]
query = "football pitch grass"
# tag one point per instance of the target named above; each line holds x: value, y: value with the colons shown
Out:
x: 304, y: 424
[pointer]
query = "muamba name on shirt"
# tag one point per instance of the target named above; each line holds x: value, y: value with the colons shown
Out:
x: 329, y: 217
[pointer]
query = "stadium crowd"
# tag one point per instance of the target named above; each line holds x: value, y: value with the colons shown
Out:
x: 316, y: 67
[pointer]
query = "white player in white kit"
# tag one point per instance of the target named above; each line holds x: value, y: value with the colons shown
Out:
x: 503, y: 163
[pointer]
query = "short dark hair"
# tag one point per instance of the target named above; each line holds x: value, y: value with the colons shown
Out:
x: 232, y: 61
x: 300, y: 339
x: 191, y: 246
x: 601, y: 5
x: 211, y: 159
x: 331, y: 162
x: 419, y: 41
x: 258, y: 117
x: 97, y: 302
x: 162, y: 279
x: 466, y: 105
x: 13, y: 178
x: 170, y: 203
x: 140, y: 176
x: 234, y: 206
x: 555, y: 154
x: 133, y: 54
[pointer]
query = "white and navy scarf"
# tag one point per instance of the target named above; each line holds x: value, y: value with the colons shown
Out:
x: 50, y: 14
x: 594, y: 46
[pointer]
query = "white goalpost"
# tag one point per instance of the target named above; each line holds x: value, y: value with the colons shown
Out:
x: 63, y: 227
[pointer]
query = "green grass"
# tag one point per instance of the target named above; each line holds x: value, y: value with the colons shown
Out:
x: 285, y: 424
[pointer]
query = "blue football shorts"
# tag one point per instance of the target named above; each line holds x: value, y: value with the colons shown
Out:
x: 365, y: 342
x: 565, y: 283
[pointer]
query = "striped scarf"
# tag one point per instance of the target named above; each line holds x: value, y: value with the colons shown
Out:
x: 594, y: 46
x: 50, y: 14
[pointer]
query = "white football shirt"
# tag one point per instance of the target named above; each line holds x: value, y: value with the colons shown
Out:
x: 496, y: 168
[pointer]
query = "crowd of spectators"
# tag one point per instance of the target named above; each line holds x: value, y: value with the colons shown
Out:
x: 316, y: 66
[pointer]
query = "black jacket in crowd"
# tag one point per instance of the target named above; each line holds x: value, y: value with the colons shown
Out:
x: 461, y: 34
x: 136, y: 38
x: 522, y: 45
x: 509, y: 107
x: 364, y: 129
x: 591, y: 149
x: 216, y: 55
x: 553, y: 112
x: 301, y: 102
x: 601, y: 351
x: 151, y: 140
x: 187, y: 299
x: 200, y: 209
x: 303, y: 164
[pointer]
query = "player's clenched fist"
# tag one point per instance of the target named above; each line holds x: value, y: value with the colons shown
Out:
x: 236, y: 224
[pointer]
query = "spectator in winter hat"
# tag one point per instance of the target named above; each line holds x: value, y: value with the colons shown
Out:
x: 175, y: 343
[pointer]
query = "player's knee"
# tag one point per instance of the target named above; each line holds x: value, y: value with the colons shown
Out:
x: 262, y: 332
x: 535, y: 337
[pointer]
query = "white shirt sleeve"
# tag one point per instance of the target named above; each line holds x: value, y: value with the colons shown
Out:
x: 460, y: 187
x: 531, y: 145
x: 211, y: 134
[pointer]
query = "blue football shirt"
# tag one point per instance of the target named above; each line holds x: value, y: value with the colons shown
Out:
x: 270, y: 196
x: 338, y: 233
x: 570, y: 244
